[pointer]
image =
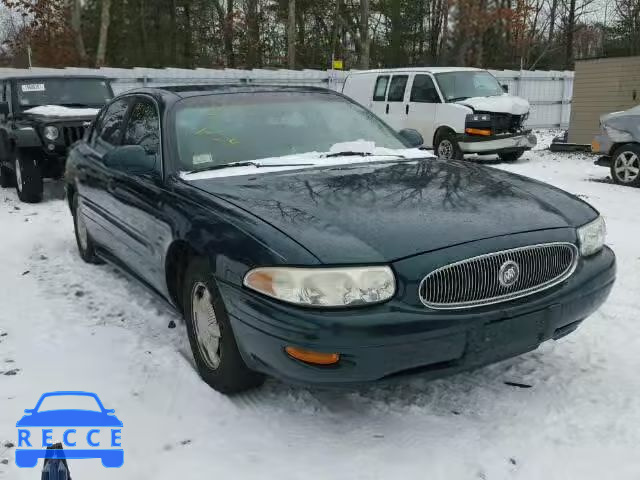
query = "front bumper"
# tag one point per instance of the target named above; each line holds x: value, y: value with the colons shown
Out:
x: 503, y: 143
x: 389, y: 340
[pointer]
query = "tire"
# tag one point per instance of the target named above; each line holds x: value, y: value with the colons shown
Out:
x: 7, y: 177
x: 86, y: 247
x: 29, y: 183
x: 625, y: 165
x: 219, y: 363
x: 446, y: 147
x: 511, y: 156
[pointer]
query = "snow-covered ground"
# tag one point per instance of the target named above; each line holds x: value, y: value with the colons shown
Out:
x: 67, y: 325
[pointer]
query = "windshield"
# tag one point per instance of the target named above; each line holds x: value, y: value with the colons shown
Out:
x: 457, y: 86
x: 69, y: 402
x: 220, y: 129
x: 74, y: 92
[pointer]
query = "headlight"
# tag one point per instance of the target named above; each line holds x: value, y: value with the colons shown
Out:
x: 478, y: 118
x: 51, y: 132
x: 592, y: 237
x: 324, y: 287
x: 617, y: 135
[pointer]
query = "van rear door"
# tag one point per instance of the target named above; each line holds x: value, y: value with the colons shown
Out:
x: 378, y: 104
x: 395, y: 109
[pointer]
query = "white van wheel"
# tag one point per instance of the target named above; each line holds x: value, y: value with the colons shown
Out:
x: 447, y: 148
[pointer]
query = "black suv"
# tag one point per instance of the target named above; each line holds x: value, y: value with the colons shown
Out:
x: 40, y: 117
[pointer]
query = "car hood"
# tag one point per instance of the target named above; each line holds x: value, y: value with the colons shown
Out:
x: 632, y: 112
x: 69, y: 418
x: 380, y: 212
x: 498, y: 104
x: 51, y: 113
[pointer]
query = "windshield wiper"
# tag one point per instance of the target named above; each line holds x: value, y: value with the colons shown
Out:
x: 246, y: 164
x: 457, y: 99
x: 80, y: 105
x: 361, y: 154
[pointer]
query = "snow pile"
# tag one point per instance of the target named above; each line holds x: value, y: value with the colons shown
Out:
x: 61, y: 111
x: 65, y: 325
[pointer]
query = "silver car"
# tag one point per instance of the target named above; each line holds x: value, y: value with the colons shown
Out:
x: 619, y: 142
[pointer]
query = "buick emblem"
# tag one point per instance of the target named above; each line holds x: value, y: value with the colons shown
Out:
x: 509, y: 273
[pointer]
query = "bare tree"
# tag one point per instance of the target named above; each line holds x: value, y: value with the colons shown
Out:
x: 76, y: 26
x: 364, y: 34
x: 253, y: 34
x: 628, y: 13
x: 291, y: 35
x: 105, y: 19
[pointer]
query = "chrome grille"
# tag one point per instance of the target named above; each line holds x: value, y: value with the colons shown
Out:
x: 72, y: 134
x: 476, y: 281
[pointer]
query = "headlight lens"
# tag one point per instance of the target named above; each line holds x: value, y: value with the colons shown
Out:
x: 592, y: 237
x: 324, y: 287
x: 51, y: 132
x: 478, y: 117
x: 617, y: 135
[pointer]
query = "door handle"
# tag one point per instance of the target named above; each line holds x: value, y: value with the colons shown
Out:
x: 387, y: 109
x: 407, y: 109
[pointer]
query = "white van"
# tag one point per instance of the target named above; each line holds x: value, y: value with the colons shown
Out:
x: 457, y: 110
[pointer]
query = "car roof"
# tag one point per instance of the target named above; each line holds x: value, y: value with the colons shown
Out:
x: 184, y: 91
x: 420, y: 69
x: 35, y: 76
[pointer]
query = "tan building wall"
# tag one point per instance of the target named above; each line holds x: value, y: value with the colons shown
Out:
x: 602, y: 86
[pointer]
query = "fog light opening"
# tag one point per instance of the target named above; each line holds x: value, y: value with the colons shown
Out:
x: 312, y: 357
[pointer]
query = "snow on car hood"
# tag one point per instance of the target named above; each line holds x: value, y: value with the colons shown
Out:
x: 61, y: 111
x: 370, y: 153
x: 498, y: 104
x: 622, y: 113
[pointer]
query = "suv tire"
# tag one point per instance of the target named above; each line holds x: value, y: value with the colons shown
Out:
x: 625, y: 165
x: 7, y: 178
x: 86, y: 247
x: 29, y: 183
x: 511, y: 156
x: 212, y: 341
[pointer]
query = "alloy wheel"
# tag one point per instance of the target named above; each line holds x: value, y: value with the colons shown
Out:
x: 205, y: 325
x: 627, y: 167
x: 445, y: 149
x: 18, y: 174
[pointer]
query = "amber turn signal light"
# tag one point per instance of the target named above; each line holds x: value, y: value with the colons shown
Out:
x: 315, y: 358
x: 477, y: 131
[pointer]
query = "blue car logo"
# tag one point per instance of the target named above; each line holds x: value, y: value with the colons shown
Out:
x: 95, y: 428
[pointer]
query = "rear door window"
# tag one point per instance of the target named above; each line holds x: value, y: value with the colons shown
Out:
x: 381, y: 88
x: 397, y: 88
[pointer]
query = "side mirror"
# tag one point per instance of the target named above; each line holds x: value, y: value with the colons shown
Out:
x: 411, y: 137
x: 4, y: 108
x: 505, y: 88
x: 28, y: 410
x: 130, y: 159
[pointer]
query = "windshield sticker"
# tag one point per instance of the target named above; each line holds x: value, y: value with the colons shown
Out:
x: 202, y: 158
x: 33, y: 87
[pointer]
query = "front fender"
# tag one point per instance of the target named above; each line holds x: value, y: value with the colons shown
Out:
x: 26, y: 137
x: 233, y: 239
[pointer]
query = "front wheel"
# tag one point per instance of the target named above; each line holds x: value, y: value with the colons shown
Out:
x: 29, y: 183
x: 511, y: 156
x: 447, y: 148
x: 85, y: 244
x: 6, y: 177
x: 625, y: 165
x: 212, y: 340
